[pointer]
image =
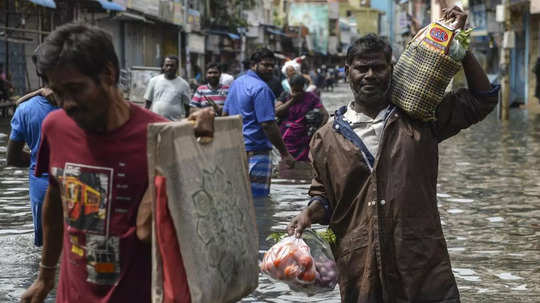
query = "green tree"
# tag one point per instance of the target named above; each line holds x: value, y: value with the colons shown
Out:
x: 226, y: 13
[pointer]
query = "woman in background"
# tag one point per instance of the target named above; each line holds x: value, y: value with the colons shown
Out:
x: 300, y: 114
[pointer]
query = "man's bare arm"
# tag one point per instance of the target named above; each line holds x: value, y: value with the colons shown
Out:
x: 53, y: 232
x: 144, y: 218
x: 16, y: 155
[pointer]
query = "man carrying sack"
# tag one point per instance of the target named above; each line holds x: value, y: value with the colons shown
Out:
x: 375, y: 181
x: 96, y: 212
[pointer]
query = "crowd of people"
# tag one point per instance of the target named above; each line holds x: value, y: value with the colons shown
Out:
x: 375, y: 168
x: 281, y: 112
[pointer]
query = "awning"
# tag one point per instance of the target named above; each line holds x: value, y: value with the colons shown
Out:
x: 111, y: 6
x: 220, y: 32
x: 276, y: 32
x: 47, y: 3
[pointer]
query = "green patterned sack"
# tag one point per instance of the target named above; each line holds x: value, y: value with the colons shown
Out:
x: 420, y: 79
x: 425, y: 69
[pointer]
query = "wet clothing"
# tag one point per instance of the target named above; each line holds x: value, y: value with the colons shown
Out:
x: 168, y: 97
x: 294, y: 129
x: 102, y: 178
x: 383, y: 210
x: 260, y: 173
x: 250, y: 97
x: 26, y: 126
x: 204, y: 92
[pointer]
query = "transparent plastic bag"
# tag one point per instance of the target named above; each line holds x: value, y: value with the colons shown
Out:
x: 306, y: 265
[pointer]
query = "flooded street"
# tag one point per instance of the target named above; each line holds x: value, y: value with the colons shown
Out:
x: 489, y: 201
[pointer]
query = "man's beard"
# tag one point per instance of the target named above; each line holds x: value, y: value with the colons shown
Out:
x: 213, y: 82
x: 378, y: 93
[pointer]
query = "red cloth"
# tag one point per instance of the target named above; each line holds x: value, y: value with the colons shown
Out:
x: 175, y: 286
x: 102, y: 178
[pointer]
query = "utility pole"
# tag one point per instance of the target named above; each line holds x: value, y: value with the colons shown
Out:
x: 505, y: 63
x: 6, y: 66
x: 187, y: 30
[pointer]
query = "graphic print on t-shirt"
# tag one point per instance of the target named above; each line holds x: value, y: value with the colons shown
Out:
x: 103, y: 259
x: 87, y: 196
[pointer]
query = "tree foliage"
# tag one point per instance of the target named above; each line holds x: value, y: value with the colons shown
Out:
x: 227, y: 13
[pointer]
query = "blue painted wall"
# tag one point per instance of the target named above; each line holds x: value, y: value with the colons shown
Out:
x: 388, y: 19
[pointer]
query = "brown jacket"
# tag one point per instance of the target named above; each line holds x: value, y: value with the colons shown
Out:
x: 390, y: 244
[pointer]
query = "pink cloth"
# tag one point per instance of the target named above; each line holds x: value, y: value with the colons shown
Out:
x: 293, y: 127
x: 175, y: 285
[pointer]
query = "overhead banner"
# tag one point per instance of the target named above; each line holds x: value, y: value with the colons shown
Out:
x: 149, y: 7
x: 196, y: 43
x: 315, y: 18
x: 479, y: 20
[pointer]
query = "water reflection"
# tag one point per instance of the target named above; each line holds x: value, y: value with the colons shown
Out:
x: 488, y: 194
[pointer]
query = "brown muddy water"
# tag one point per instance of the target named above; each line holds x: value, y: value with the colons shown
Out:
x: 488, y: 195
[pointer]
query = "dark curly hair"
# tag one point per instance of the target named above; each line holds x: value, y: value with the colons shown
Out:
x: 260, y: 54
x: 87, y: 48
x: 214, y: 65
x: 370, y: 43
x: 298, y: 80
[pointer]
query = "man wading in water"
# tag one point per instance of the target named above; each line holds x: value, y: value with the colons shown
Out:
x: 383, y: 207
x: 97, y: 210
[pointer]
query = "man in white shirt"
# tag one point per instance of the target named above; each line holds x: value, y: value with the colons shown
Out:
x: 167, y: 94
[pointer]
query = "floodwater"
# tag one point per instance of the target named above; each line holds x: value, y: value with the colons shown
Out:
x: 489, y: 201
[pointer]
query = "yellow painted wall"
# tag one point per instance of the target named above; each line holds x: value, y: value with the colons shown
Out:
x: 367, y: 19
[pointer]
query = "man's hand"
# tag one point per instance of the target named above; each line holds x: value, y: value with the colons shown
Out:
x: 39, y: 290
x: 314, y: 213
x: 53, y: 231
x: 144, y: 218
x: 289, y: 160
x: 299, y: 223
x: 203, y: 121
x: 455, y: 14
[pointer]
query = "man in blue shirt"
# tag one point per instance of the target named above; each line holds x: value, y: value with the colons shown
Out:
x: 26, y: 129
x: 251, y: 97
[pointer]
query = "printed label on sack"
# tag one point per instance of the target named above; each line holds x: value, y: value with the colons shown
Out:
x: 438, y: 37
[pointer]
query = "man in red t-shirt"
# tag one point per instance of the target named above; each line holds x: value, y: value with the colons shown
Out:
x: 96, y: 211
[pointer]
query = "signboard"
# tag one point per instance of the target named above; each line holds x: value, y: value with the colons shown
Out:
x: 166, y: 10
x: 196, y: 43
x: 150, y: 7
x: 535, y: 7
x: 479, y: 20
x: 178, y: 17
x: 315, y: 18
x: 332, y: 45
x: 333, y: 10
x: 194, y: 19
x: 124, y: 3
x: 138, y: 81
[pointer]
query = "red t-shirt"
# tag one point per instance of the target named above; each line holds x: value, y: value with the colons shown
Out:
x: 102, y: 178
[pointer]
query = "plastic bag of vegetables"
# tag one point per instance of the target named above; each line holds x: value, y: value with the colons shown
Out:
x: 306, y: 265
x: 427, y: 66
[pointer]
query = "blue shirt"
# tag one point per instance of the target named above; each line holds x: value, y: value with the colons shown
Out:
x: 251, y: 97
x: 26, y: 124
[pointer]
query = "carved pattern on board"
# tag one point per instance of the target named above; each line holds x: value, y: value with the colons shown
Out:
x: 217, y: 222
